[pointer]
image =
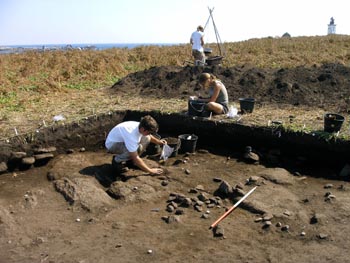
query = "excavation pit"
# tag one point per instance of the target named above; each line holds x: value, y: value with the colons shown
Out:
x: 74, y: 208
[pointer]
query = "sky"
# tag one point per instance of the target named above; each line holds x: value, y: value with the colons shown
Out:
x: 30, y: 22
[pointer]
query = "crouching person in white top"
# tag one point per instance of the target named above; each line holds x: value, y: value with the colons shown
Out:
x: 129, y: 139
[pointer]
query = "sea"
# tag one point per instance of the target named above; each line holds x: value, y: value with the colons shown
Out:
x: 47, y: 47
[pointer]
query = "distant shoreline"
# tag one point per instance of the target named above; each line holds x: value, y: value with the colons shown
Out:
x: 22, y: 48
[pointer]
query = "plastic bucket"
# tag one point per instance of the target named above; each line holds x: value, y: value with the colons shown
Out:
x: 333, y: 122
x: 173, y: 143
x: 188, y: 143
x: 216, y: 60
x: 246, y: 104
x: 207, y: 51
x: 195, y: 107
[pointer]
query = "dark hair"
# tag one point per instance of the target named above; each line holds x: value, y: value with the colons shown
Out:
x: 200, y: 28
x: 149, y: 124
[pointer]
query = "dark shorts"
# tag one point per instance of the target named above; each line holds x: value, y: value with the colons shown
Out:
x: 224, y: 108
x: 198, y: 55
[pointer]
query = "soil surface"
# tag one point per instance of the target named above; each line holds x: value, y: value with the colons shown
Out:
x: 324, y: 87
x: 75, y: 208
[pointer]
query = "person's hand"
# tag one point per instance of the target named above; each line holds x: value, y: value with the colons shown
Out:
x: 156, y: 171
x: 163, y: 141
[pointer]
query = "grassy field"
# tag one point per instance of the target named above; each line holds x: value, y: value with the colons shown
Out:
x: 34, y: 85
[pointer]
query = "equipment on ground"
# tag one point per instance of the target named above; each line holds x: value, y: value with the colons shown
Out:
x: 231, y: 209
x: 214, y: 60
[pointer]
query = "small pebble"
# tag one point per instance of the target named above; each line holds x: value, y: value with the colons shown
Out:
x: 285, y: 228
x: 165, y: 182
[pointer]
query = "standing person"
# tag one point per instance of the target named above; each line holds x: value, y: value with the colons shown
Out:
x: 218, y: 100
x: 197, y: 42
x: 129, y: 139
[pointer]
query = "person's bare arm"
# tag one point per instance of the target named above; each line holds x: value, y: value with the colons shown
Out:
x: 157, y: 141
x: 216, y: 92
x: 137, y: 160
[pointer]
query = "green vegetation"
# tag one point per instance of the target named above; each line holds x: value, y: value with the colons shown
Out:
x: 75, y: 69
x: 37, y: 83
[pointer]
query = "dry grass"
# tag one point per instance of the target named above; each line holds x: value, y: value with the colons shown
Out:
x: 35, y: 86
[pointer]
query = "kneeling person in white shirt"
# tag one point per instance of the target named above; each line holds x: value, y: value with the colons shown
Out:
x: 130, y: 138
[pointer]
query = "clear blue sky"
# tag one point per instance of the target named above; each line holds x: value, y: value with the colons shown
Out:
x: 163, y: 21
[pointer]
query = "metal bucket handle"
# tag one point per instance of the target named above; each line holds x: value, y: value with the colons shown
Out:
x: 177, y: 145
x: 199, y: 111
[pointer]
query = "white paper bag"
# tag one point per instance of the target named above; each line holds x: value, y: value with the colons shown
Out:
x: 166, y: 152
x: 232, y: 112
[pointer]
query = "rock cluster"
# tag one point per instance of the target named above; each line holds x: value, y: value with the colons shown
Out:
x: 24, y: 161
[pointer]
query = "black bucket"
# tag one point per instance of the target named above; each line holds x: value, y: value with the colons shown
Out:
x: 215, y: 60
x: 173, y: 143
x: 333, y: 122
x: 197, y: 108
x: 246, y: 104
x: 188, y: 143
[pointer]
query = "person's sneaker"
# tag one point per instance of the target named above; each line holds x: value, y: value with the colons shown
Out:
x: 119, y: 166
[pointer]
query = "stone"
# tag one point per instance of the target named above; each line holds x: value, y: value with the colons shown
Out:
x: 69, y: 151
x: 3, y: 167
x: 285, y: 228
x: 322, y: 236
x: 203, y: 197
x: 267, y: 224
x: 83, y: 192
x: 28, y: 160
x: 198, y: 208
x: 267, y: 217
x: 224, y: 189
x: 205, y: 216
x: 164, y: 182
x: 171, y: 219
x: 200, y: 187
x: 251, y: 157
x: 179, y: 212
x: 186, y: 202
x: 217, y: 179
x: 17, y: 155
x: 43, y: 156
x: 45, y: 150
x: 218, y: 231
x: 170, y: 208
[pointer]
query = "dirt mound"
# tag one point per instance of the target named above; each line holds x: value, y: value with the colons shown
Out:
x: 323, y: 86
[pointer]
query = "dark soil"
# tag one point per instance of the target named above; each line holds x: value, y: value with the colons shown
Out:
x: 75, y: 208
x: 325, y: 87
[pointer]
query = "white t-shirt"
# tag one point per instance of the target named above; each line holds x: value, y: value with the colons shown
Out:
x: 196, y: 38
x: 127, y: 132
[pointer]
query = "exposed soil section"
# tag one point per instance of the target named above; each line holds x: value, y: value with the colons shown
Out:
x: 324, y: 87
x: 67, y: 204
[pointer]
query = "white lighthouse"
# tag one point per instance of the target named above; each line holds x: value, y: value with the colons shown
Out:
x: 331, y: 27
